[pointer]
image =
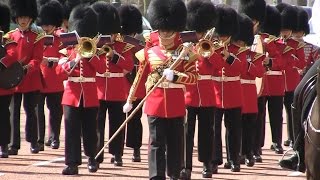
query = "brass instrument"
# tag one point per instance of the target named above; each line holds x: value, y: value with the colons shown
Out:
x: 108, y: 50
x: 205, y: 47
x: 87, y: 47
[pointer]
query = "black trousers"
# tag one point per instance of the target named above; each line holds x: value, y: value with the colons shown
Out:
x: 53, y: 101
x: 116, y: 118
x: 232, y: 122
x: 288, y: 99
x: 5, y: 127
x: 275, y: 107
x: 30, y: 101
x: 205, y: 116
x: 77, y: 121
x: 249, y: 124
x: 134, y: 129
x: 165, y: 146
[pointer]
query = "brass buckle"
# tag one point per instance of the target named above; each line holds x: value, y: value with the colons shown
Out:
x: 165, y: 84
x: 81, y: 79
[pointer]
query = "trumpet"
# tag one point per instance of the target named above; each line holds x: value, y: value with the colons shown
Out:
x: 206, y: 46
x: 87, y: 47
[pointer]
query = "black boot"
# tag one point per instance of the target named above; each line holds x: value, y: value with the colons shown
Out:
x: 70, y: 170
x: 249, y: 160
x: 207, y: 170
x: 214, y: 168
x: 118, y: 160
x: 48, y: 143
x: 4, y: 151
x: 287, y: 142
x: 185, y: 174
x: 227, y: 165
x: 277, y: 148
x: 55, y: 144
x: 136, y: 155
x: 92, y: 165
x: 235, y: 167
x: 13, y: 151
x: 41, y: 147
x: 34, y: 148
x: 290, y: 163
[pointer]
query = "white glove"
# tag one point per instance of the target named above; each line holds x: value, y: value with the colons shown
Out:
x: 127, y: 107
x: 169, y: 74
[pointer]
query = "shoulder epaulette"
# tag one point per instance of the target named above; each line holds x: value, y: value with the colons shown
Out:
x: 286, y: 49
x: 140, y: 55
x: 270, y: 39
x: 7, y: 34
x: 8, y: 41
x: 39, y: 37
x: 241, y: 50
x: 127, y: 47
x: 301, y: 45
x: 63, y: 51
x: 257, y: 56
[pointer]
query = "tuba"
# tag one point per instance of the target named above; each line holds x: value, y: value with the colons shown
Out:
x: 87, y: 47
x: 205, y: 47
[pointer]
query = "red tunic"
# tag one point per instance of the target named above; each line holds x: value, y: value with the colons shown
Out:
x: 52, y: 82
x: 7, y: 61
x: 113, y: 86
x: 29, y: 52
x: 87, y: 69
x: 312, y: 53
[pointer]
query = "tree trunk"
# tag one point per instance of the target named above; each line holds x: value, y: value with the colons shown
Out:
x: 302, y: 2
x: 145, y: 6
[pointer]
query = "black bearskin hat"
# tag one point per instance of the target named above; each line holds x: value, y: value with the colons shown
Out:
x: 272, y: 21
x: 131, y: 19
x: 170, y: 15
x: 201, y: 15
x: 84, y: 20
x: 108, y: 18
x: 303, y: 20
x: 23, y: 8
x: 282, y: 6
x: 68, y: 5
x: 227, y: 21
x: 255, y: 9
x: 50, y: 14
x: 245, y: 32
x: 5, y: 17
x: 289, y: 18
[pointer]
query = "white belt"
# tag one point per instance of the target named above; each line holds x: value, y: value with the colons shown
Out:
x: 53, y: 59
x: 275, y: 73
x: 170, y: 85
x: 247, y: 81
x: 110, y: 75
x: 204, y: 77
x: 81, y: 79
x: 225, y: 78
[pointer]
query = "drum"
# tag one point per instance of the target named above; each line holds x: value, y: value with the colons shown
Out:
x: 11, y: 76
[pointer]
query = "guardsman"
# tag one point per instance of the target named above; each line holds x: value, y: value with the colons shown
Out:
x: 252, y: 68
x: 165, y: 106
x: 297, y: 119
x: 199, y: 97
x: 6, y: 60
x: 80, y: 100
x: 255, y: 9
x: 226, y: 78
x: 289, y: 16
x: 131, y: 25
x: 67, y: 7
x: 117, y: 57
x: 50, y: 19
x: 30, y: 53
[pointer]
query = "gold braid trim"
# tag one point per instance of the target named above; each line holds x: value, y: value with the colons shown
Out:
x: 136, y: 82
x: 301, y: 45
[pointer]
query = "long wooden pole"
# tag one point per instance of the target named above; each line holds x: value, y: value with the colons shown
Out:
x: 176, y: 62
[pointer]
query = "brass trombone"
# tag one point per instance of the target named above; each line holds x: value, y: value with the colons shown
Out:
x: 87, y: 47
x: 108, y: 50
x: 205, y: 46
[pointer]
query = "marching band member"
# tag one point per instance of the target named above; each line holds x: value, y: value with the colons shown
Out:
x: 110, y: 84
x: 5, y: 94
x: 30, y: 54
x: 165, y: 106
x: 131, y: 24
x: 292, y: 78
x: 255, y: 9
x: 50, y: 19
x: 80, y: 100
x: 228, y: 102
x: 67, y: 7
x: 252, y: 68
x: 199, y: 97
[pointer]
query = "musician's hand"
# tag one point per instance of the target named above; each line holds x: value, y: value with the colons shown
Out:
x: 266, y: 61
x: 44, y: 61
x: 225, y: 54
x: 169, y: 74
x: 127, y: 107
x: 78, y: 58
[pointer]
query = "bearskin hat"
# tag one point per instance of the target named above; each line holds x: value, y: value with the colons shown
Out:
x: 170, y: 15
x: 5, y: 17
x: 23, y: 8
x: 131, y: 19
x: 255, y: 9
x: 282, y: 6
x: 227, y: 21
x: 289, y: 18
x: 50, y: 14
x: 245, y: 32
x: 84, y: 20
x: 68, y: 5
x: 201, y: 15
x: 303, y: 20
x: 108, y: 18
x: 272, y: 21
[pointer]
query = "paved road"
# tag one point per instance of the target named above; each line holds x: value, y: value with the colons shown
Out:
x: 47, y: 165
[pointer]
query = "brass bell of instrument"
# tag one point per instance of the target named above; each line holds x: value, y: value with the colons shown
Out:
x: 87, y: 47
x: 108, y: 50
x: 205, y: 46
